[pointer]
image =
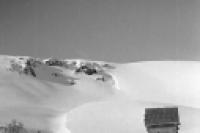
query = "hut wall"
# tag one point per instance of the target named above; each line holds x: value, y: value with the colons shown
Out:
x: 163, y: 130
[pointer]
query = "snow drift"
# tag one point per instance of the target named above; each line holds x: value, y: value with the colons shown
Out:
x: 40, y: 93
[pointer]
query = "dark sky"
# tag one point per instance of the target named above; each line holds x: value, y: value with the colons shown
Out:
x: 111, y: 30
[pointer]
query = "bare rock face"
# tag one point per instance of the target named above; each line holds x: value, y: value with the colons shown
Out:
x: 25, y: 65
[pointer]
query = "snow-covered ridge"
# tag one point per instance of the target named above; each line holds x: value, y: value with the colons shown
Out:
x: 34, y: 90
x: 62, y: 71
x: 40, y: 93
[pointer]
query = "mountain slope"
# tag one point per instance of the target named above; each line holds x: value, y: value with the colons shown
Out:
x: 40, y: 93
x: 142, y: 85
x: 175, y: 82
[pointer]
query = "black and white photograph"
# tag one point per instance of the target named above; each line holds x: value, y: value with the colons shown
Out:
x: 99, y: 66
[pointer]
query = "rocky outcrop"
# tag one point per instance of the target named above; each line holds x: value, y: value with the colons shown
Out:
x: 25, y: 66
x: 29, y: 65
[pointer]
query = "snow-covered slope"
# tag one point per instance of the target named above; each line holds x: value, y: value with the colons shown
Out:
x: 175, y: 82
x: 40, y: 93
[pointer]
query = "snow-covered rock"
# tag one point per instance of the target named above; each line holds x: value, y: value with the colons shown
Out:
x: 53, y: 69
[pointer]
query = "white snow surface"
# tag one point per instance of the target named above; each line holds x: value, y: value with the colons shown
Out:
x: 81, y: 96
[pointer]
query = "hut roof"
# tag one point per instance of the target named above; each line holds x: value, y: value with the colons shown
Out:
x: 161, y: 116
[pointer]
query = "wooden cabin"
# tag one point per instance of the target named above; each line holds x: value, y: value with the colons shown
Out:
x: 162, y: 120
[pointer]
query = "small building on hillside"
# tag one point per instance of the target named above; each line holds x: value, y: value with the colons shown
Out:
x: 162, y: 120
